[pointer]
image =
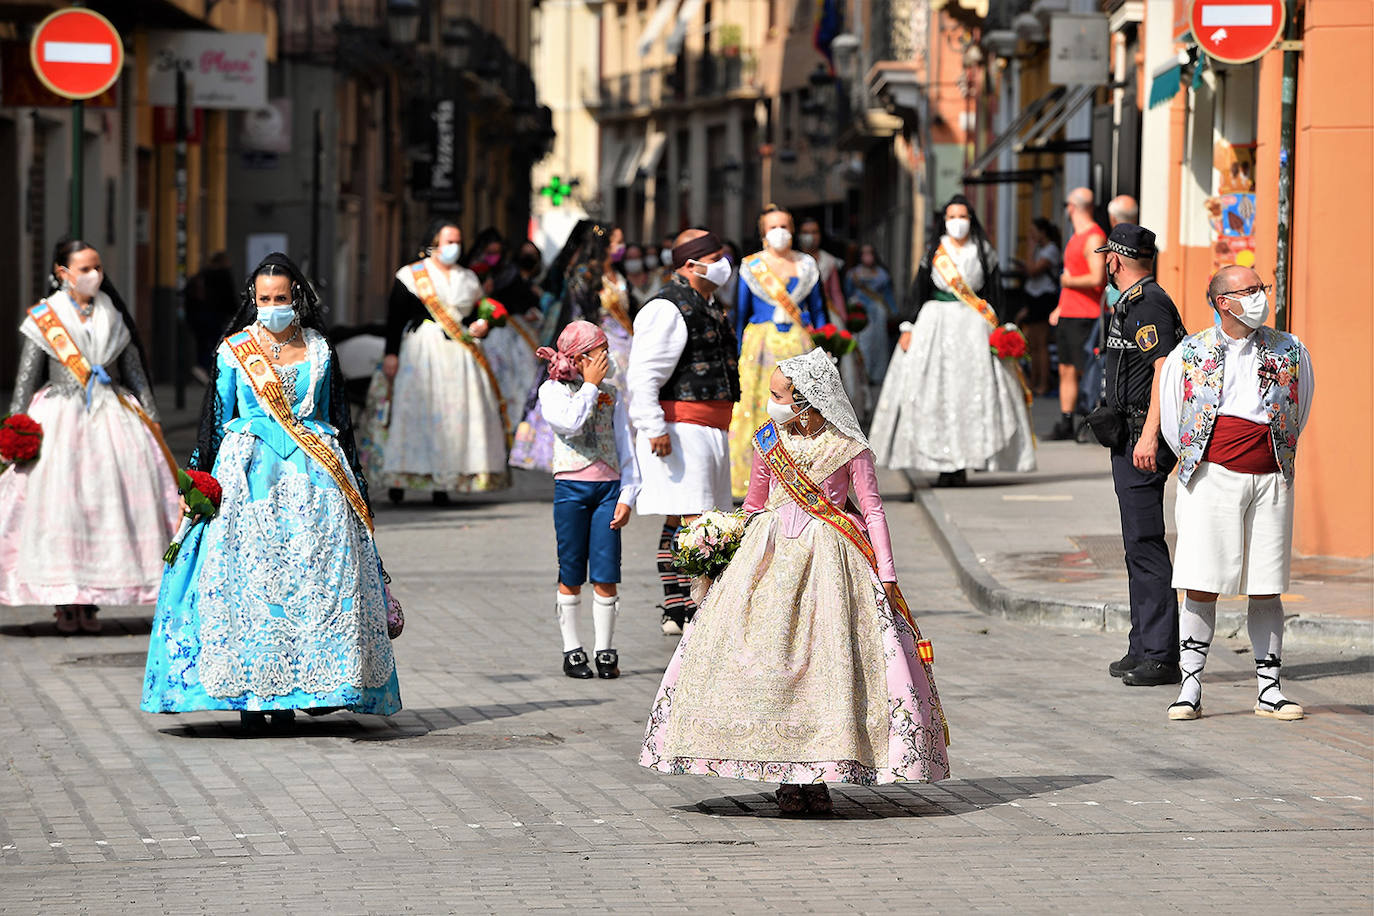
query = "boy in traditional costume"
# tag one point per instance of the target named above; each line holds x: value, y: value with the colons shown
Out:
x: 803, y: 665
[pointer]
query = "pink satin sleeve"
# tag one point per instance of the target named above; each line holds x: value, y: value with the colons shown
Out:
x: 864, y: 477
x: 760, y: 479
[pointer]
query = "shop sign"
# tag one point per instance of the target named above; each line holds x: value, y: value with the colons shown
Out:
x: 1236, y: 32
x: 1079, y: 46
x: 225, y: 70
x: 438, y: 177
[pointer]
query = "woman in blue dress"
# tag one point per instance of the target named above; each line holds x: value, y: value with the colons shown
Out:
x: 279, y: 602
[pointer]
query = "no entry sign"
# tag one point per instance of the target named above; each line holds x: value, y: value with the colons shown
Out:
x: 77, y: 53
x: 1236, y: 31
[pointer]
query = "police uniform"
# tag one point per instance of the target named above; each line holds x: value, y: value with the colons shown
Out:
x: 1144, y: 329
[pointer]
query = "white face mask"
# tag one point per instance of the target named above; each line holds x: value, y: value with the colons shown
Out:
x: 448, y: 254
x: 778, y: 238
x: 808, y: 240
x: 1254, y: 309
x: 276, y: 318
x: 666, y: 257
x: 610, y: 370
x: 780, y: 413
x: 86, y: 284
x: 634, y: 265
x: 716, y: 273
x: 957, y: 228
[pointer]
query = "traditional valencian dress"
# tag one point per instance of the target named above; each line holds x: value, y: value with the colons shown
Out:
x: 447, y: 430
x: 852, y: 368
x: 607, y: 304
x: 278, y: 602
x: 948, y: 403
x: 772, y: 317
x: 87, y: 522
x: 871, y: 287
x: 797, y: 668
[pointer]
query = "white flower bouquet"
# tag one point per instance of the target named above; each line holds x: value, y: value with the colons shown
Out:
x: 705, y: 546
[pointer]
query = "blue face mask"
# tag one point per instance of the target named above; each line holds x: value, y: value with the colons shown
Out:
x: 276, y: 318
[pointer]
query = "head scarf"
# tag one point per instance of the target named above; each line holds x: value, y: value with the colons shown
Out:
x: 577, y: 338
x: 816, y: 379
x: 698, y: 247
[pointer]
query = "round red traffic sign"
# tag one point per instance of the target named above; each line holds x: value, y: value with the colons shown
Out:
x: 77, y: 53
x: 1236, y: 31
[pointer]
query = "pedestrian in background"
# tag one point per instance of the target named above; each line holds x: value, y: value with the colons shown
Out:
x: 595, y: 482
x: 86, y: 522
x: 949, y: 404
x: 852, y: 369
x: 1080, y: 305
x: 683, y: 384
x: 638, y: 275
x: 211, y: 300
x: 1042, y: 268
x: 279, y: 602
x: 1234, y: 400
x: 1144, y: 330
x: 779, y: 298
x: 869, y: 284
x: 509, y: 347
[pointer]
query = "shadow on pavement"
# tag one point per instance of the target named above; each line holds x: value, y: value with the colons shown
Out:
x: 113, y: 626
x: 1312, y: 671
x: 950, y: 797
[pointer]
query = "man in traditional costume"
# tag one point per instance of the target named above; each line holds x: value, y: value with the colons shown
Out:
x: 1234, y: 400
x: 779, y: 299
x: 683, y: 381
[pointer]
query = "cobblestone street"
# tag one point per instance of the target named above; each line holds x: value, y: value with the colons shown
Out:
x: 504, y: 786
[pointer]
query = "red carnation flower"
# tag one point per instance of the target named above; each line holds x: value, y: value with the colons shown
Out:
x: 845, y: 335
x: 827, y: 329
x: 207, y: 485
x: 21, y: 438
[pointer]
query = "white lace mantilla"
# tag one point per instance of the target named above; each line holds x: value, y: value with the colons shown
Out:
x: 816, y: 378
x: 290, y: 596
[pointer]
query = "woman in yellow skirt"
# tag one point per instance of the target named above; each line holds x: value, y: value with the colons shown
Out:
x: 778, y: 302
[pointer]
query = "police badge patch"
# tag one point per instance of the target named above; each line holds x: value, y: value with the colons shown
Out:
x: 1146, y: 338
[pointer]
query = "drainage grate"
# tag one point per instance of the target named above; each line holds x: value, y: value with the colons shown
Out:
x: 107, y: 660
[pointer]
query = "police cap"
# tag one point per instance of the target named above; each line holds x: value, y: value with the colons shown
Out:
x: 1130, y: 241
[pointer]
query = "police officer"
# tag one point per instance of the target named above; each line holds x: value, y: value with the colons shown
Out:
x: 1145, y: 327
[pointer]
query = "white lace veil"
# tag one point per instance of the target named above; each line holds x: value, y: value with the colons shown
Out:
x: 816, y: 378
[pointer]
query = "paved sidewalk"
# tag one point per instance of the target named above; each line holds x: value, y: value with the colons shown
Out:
x: 1046, y: 546
x: 505, y: 787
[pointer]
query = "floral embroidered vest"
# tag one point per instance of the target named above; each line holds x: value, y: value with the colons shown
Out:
x: 594, y: 442
x: 1204, y: 357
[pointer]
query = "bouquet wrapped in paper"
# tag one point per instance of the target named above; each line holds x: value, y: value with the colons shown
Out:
x: 705, y: 547
x: 202, y: 495
x: 21, y: 439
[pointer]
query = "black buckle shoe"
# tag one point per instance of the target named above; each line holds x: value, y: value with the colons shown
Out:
x: 607, y: 664
x: 575, y: 664
x: 1152, y: 673
x: 1122, y: 665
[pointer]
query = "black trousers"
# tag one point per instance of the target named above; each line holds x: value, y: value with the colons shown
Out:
x: 1154, y: 603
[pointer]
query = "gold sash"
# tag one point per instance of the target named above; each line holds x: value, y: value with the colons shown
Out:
x: 424, y: 289
x: 70, y: 355
x: 813, y: 500
x: 271, y: 395
x: 945, y: 266
x: 610, y: 301
x: 776, y: 290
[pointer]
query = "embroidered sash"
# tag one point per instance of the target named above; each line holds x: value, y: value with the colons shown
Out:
x: 271, y: 395
x: 949, y: 271
x: 70, y: 355
x: 813, y: 500
x: 424, y: 289
x: 776, y: 289
x: 611, y: 302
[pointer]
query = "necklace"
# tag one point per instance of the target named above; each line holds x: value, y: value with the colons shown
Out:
x: 84, y: 309
x: 275, y: 347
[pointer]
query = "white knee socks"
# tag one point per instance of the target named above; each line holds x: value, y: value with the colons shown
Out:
x: 604, y: 610
x: 1197, y: 622
x: 1265, y: 621
x: 568, y: 607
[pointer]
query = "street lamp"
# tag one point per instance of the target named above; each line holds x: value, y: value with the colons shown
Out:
x: 403, y: 22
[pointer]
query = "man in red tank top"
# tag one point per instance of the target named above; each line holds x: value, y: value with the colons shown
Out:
x: 1080, y: 303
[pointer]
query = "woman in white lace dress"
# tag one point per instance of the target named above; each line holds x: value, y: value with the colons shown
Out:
x: 278, y: 603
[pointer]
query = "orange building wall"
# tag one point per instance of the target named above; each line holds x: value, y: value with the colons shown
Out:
x: 1333, y: 238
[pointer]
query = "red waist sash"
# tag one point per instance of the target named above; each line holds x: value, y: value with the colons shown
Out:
x: 715, y: 414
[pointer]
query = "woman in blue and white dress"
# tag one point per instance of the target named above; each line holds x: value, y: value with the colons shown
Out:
x: 278, y: 603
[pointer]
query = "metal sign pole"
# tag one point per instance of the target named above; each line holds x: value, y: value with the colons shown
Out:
x: 78, y: 165
x: 180, y: 169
